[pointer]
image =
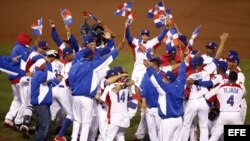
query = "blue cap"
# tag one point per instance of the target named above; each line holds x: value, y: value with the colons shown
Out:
x: 111, y: 73
x: 171, y: 50
x: 170, y: 75
x: 196, y: 61
x: 232, y: 53
x: 67, y: 51
x: 222, y: 65
x: 118, y: 69
x: 43, y: 44
x: 104, y: 51
x: 183, y: 38
x: 211, y: 45
x: 145, y: 31
x: 88, y: 39
x: 234, y: 59
x: 87, y: 52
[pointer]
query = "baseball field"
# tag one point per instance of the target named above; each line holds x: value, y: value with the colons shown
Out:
x: 215, y: 17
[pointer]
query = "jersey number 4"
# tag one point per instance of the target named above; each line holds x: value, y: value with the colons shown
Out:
x: 121, y: 97
x: 231, y: 100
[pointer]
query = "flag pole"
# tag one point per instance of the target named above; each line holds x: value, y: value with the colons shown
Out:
x: 166, y: 14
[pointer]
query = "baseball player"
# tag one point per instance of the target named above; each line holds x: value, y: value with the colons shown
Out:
x: 61, y: 97
x: 171, y: 96
x: 233, y: 63
x: 149, y: 97
x: 230, y: 98
x: 6, y: 67
x: 20, y: 49
x: 143, y: 48
x: 41, y: 98
x: 25, y: 111
x: 117, y: 117
x: 194, y: 98
x: 81, y: 74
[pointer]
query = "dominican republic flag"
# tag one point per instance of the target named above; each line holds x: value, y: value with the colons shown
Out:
x: 131, y: 18
x: 171, y: 38
x: 170, y: 16
x: 88, y: 15
x: 67, y: 17
x: 124, y: 9
x: 194, y: 35
x: 37, y: 27
x: 158, y: 7
x: 158, y: 13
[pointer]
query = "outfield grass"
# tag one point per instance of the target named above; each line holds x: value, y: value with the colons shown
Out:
x: 124, y: 59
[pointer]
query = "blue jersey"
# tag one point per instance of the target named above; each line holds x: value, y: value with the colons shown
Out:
x: 41, y: 87
x: 82, y: 75
x: 171, y: 95
x: 19, y: 49
x: 148, y: 91
x: 9, y: 69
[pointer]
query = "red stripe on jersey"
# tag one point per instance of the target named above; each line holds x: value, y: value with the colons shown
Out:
x: 28, y: 65
x: 108, y: 101
x: 132, y: 46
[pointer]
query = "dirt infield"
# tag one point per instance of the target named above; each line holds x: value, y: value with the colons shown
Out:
x: 215, y: 16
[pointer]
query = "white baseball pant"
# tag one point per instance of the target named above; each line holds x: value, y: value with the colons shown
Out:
x: 194, y: 107
x: 16, y: 102
x: 82, y: 113
x: 153, y: 121
x: 115, y: 132
x: 170, y: 129
x: 229, y: 118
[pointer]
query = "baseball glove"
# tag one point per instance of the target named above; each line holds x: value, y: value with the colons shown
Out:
x: 213, y: 113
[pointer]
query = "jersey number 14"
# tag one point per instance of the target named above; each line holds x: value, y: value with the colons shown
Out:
x: 120, y: 97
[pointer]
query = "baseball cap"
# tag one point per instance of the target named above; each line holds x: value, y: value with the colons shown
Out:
x: 43, y: 44
x: 67, y: 51
x: 211, y: 45
x: 183, y: 38
x: 170, y: 75
x: 145, y: 31
x: 232, y: 53
x: 222, y: 65
x: 118, y: 69
x: 88, y: 39
x: 234, y: 59
x: 196, y: 61
x: 104, y: 51
x: 194, y: 52
x: 87, y: 52
x: 111, y: 73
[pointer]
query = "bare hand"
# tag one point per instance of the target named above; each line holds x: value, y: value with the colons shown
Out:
x: 146, y: 63
x: 107, y: 35
x: 224, y: 36
x: 190, y: 82
x: 117, y: 88
x: 29, y: 73
x: 15, y: 59
x: 60, y: 77
x: 52, y: 23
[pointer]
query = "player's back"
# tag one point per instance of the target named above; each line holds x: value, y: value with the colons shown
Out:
x: 118, y: 106
x: 230, y: 97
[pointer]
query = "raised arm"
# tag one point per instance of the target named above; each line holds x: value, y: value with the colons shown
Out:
x: 128, y: 36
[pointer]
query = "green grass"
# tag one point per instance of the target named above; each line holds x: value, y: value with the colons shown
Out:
x: 124, y: 59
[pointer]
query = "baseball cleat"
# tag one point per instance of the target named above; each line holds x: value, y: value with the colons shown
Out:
x: 25, y: 131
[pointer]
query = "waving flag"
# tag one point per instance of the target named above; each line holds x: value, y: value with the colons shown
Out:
x: 158, y: 13
x: 88, y: 15
x: 37, y: 27
x: 131, y: 18
x: 170, y: 16
x: 172, y: 38
x: 194, y: 35
x: 67, y: 17
x: 124, y: 9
